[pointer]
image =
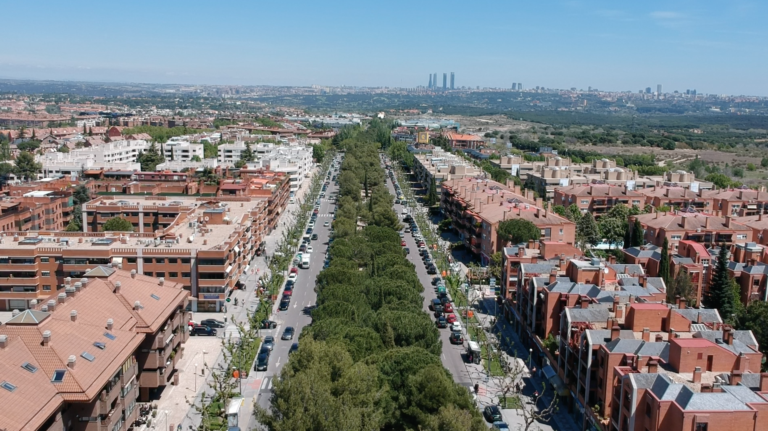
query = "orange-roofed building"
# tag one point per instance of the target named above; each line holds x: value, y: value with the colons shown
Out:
x: 461, y: 141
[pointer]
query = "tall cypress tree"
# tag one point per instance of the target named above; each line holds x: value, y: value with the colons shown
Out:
x: 720, y: 292
x: 637, y: 234
x: 664, y: 263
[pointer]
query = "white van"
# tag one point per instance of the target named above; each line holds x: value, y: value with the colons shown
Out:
x: 304, y: 261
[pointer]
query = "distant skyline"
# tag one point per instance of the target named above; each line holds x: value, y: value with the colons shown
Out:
x: 711, y: 46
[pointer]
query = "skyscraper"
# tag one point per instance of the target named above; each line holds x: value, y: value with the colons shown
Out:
x: 445, y: 81
x: 430, y: 81
x: 520, y: 86
x: 452, y: 80
x: 434, y: 81
x: 658, y: 91
x: 514, y: 85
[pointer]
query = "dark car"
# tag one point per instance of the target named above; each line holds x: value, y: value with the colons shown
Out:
x: 309, y: 231
x: 289, y: 283
x: 492, y: 414
x: 441, y: 322
x: 265, y: 350
x: 434, y: 303
x: 203, y: 330
x: 438, y: 312
x: 262, y: 361
x: 303, y: 248
x: 314, y: 237
x: 444, y: 300
x: 284, y: 304
x: 288, y: 333
x: 269, y: 342
x: 432, y: 270
x: 268, y: 324
x: 436, y: 281
x: 294, y: 347
x: 407, y: 250
x: 456, y: 338
x: 213, y: 323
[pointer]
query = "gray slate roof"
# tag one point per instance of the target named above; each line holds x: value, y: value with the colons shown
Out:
x: 622, y: 268
x: 707, y: 315
x: 738, y: 345
x: 590, y: 314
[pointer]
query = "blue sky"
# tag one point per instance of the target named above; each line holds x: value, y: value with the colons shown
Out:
x: 713, y: 46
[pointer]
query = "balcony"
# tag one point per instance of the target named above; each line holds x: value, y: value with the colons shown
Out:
x: 152, y: 378
x: 110, y: 393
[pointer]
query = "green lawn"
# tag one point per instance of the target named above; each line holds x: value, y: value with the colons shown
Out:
x: 512, y: 402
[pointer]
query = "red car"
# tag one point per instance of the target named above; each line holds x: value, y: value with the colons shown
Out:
x: 315, y: 211
x: 294, y: 270
x: 288, y: 291
x: 402, y: 243
x: 448, y: 308
x: 451, y: 318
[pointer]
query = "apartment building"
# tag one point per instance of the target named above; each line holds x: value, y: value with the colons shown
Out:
x: 36, y: 210
x: 112, y: 155
x: 443, y: 166
x: 677, y: 197
x: 204, y: 244
x: 81, y: 359
x: 182, y: 151
x: 702, y: 228
x: 459, y: 141
x: 476, y: 207
x: 597, y: 199
x: 739, y: 202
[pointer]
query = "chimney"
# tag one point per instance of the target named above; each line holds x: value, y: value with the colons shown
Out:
x: 71, y: 362
x: 161, y: 281
x: 79, y: 286
x: 117, y: 286
x: 62, y: 297
x: 51, y: 305
x: 683, y: 303
x: 133, y: 273
x: 697, y: 375
x: 584, y: 302
x: 69, y: 291
x: 657, y: 215
x: 763, y: 382
x: 44, y: 308
x: 46, y: 338
x: 647, y: 335
x: 671, y: 333
x: 611, y: 259
x: 706, y: 222
x: 520, y: 252
x: 659, y: 338
x: 677, y: 300
x: 641, y: 279
x: 552, y: 275
x: 137, y: 305
x: 73, y: 315
x: 736, y: 377
x: 3, y: 341
x: 15, y: 313
x: 727, y: 221
x: 742, y: 362
x: 615, y: 331
x: 653, y: 366
x: 110, y: 324
x: 728, y: 336
x: 706, y: 388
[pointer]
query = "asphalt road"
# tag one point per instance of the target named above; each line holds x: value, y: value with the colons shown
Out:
x: 259, y: 383
x: 453, y: 355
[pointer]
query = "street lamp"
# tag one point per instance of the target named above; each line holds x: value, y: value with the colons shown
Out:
x: 530, y: 358
x: 195, y: 378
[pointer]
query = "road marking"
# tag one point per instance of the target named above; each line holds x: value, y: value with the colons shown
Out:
x: 278, y: 362
x: 269, y: 386
x: 295, y: 304
x: 443, y: 356
x: 264, y: 383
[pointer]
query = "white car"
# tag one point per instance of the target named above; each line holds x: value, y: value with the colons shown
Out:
x: 405, y: 210
x: 311, y: 225
x: 326, y: 224
x: 309, y: 249
x: 456, y: 326
x: 293, y: 277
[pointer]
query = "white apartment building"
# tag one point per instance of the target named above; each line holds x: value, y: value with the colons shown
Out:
x: 229, y: 154
x: 119, y: 155
x: 183, y: 166
x: 182, y: 151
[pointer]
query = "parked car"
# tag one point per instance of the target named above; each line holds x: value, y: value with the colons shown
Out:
x: 451, y: 318
x: 456, y: 326
x: 314, y: 237
x: 269, y: 342
x: 262, y: 362
x: 303, y: 248
x: 434, y: 303
x: 492, y: 414
x: 441, y: 322
x: 284, y: 304
x: 292, y: 277
x: 432, y: 270
x: 203, y: 330
x: 436, y: 281
x: 288, y: 333
x: 213, y: 323
x: 407, y: 250
x: 265, y: 351
x: 268, y: 324
x: 294, y: 347
x: 326, y: 224
x: 448, y: 307
x: 500, y: 426
x: 456, y: 338
x: 288, y: 291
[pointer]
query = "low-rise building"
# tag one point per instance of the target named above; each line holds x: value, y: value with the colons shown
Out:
x: 597, y: 199
x: 442, y: 166
x: 702, y: 228
x: 182, y: 151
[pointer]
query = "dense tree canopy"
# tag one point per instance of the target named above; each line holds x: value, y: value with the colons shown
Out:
x: 518, y: 231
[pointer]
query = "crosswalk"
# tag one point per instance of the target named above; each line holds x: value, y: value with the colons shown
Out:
x: 324, y: 215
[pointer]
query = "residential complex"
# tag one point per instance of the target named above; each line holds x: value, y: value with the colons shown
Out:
x: 82, y: 358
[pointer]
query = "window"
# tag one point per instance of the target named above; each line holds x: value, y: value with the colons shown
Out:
x: 700, y: 356
x: 160, y: 260
x: 147, y: 260
x: 88, y: 357
x: 677, y: 237
x: 186, y: 275
x: 29, y: 367
x: 99, y: 345
x: 173, y: 274
x: 584, y: 202
x: 185, y: 260
x: 160, y: 274
x: 45, y: 259
x: 110, y: 336
x: 8, y: 386
x: 45, y: 273
x: 738, y: 236
x: 701, y: 426
x: 173, y: 260
x: 58, y: 376
x: 46, y: 287
x: 647, y: 410
x: 155, y: 297
x: 148, y: 274
x: 131, y: 259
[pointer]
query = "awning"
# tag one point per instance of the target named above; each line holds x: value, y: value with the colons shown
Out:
x: 555, y: 380
x: 117, y: 260
x: 237, y: 249
x: 229, y: 268
x: 169, y: 339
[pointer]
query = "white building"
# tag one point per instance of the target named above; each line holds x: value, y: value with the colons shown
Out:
x: 182, y: 151
x: 229, y: 154
x: 120, y: 155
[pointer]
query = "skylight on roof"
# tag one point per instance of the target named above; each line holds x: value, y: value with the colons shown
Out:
x: 88, y: 357
x: 100, y: 345
x: 155, y: 297
x: 58, y: 376
x: 8, y: 386
x: 29, y: 367
x: 110, y: 336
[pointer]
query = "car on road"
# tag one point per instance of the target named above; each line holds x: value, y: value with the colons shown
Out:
x: 441, y: 322
x: 268, y: 324
x: 448, y: 307
x: 213, y: 323
x: 311, y: 224
x: 203, y: 330
x: 284, y: 304
x: 310, y: 249
x: 432, y: 270
x: 438, y: 312
x: 288, y: 333
x: 456, y: 337
x: 436, y: 281
x: 444, y: 299
x: 303, y: 248
x: 294, y: 347
x: 292, y: 277
x: 500, y: 426
x: 265, y: 350
x: 451, y: 318
x: 407, y: 230
x: 407, y: 250
x: 262, y: 362
x: 405, y: 210
x: 294, y: 270
x: 269, y: 342
x: 402, y: 243
x: 315, y: 211
x: 309, y: 231
x: 402, y: 235
x: 492, y: 414
x: 456, y: 326
x: 314, y: 237
x: 326, y: 224
x: 434, y: 303
x: 288, y: 291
